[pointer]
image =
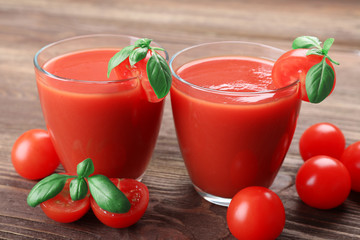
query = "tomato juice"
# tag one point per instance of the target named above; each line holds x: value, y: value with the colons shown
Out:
x: 234, y: 126
x: 90, y: 116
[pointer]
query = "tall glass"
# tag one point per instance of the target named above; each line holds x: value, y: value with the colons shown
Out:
x: 230, y: 139
x: 90, y: 116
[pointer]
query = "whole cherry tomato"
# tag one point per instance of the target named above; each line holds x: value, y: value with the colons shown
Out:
x: 322, y: 139
x: 62, y: 209
x: 294, y: 65
x: 33, y: 155
x: 323, y: 182
x: 256, y: 213
x: 138, y: 195
x: 351, y: 160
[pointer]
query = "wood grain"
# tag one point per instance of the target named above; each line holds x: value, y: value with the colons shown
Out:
x: 175, y: 211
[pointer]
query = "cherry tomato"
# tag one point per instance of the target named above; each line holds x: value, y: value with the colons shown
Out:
x: 33, y: 155
x: 351, y: 160
x: 323, y: 182
x: 138, y: 195
x: 294, y: 65
x: 322, y: 139
x: 256, y: 213
x: 139, y: 70
x: 62, y: 209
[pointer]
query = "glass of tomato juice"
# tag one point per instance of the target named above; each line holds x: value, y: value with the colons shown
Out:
x: 89, y: 115
x: 234, y: 125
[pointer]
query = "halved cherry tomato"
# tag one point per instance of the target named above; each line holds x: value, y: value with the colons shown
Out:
x: 33, y: 155
x: 322, y: 139
x: 138, y: 195
x: 294, y: 65
x: 351, y: 160
x: 256, y: 213
x: 138, y: 70
x: 323, y: 182
x: 62, y: 209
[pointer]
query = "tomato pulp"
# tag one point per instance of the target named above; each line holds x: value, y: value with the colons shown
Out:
x: 233, y: 126
x: 112, y: 123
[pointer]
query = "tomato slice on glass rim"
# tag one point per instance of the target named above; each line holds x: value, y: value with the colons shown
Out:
x: 62, y: 208
x: 294, y: 65
x: 138, y: 195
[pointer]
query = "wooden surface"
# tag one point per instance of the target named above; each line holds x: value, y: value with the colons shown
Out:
x: 175, y: 210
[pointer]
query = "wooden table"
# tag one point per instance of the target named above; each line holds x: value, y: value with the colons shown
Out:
x: 175, y: 210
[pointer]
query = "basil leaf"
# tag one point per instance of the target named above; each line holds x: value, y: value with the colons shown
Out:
x: 107, y: 195
x: 319, y: 81
x: 47, y: 188
x: 138, y: 54
x: 85, y: 168
x: 306, y: 42
x: 78, y: 189
x: 314, y: 51
x: 119, y: 57
x: 159, y: 75
x: 143, y: 42
x: 327, y: 44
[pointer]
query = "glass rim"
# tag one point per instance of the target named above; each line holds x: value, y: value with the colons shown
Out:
x: 224, y: 92
x: 53, y: 76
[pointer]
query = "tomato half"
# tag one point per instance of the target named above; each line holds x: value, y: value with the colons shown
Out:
x: 294, y: 65
x: 322, y: 139
x: 351, y: 160
x: 323, y: 182
x: 256, y: 213
x: 138, y: 195
x: 33, y: 155
x: 62, y: 209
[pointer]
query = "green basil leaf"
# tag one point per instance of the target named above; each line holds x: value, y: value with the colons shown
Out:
x: 107, y: 195
x: 85, y: 168
x: 78, y: 188
x: 119, y: 57
x: 327, y: 44
x: 314, y: 51
x: 159, y: 75
x: 319, y: 81
x: 138, y: 54
x: 143, y: 42
x: 47, y: 188
x: 306, y: 42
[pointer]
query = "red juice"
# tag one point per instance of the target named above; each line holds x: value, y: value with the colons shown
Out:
x: 107, y: 120
x: 234, y: 126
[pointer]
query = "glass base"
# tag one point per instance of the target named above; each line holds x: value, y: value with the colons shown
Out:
x: 212, y: 198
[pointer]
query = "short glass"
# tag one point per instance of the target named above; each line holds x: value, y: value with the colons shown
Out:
x: 90, y: 116
x: 230, y: 140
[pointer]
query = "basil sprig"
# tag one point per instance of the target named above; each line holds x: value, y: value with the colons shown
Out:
x: 104, y: 192
x: 157, y: 69
x: 320, y: 77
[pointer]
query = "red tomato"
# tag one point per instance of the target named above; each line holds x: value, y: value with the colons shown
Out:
x: 33, y: 155
x: 138, y: 195
x: 322, y: 139
x: 62, y: 209
x: 351, y: 160
x: 294, y: 65
x: 323, y: 182
x: 256, y: 213
x: 138, y: 70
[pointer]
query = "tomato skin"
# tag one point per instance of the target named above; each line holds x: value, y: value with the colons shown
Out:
x: 33, y: 155
x: 256, y: 213
x: 294, y: 65
x: 323, y: 182
x: 62, y: 209
x: 351, y: 159
x: 138, y: 195
x: 322, y: 139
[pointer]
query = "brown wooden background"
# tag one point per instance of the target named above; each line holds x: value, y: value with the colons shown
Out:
x: 175, y: 210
